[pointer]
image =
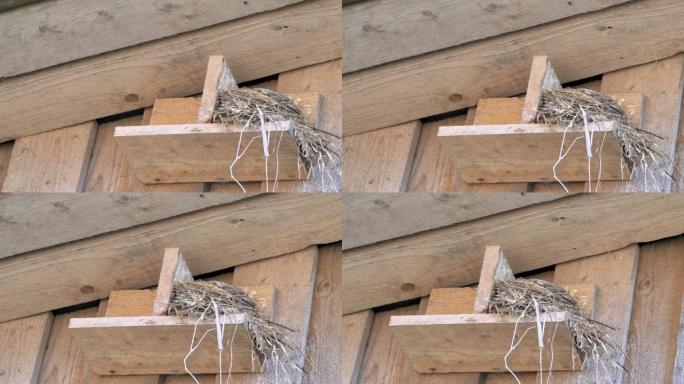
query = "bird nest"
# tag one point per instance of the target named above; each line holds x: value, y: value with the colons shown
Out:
x: 581, y: 108
x: 320, y: 151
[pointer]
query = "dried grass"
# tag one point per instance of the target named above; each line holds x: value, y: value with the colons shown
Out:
x: 271, y: 341
x: 642, y: 150
x: 320, y: 151
x: 516, y: 297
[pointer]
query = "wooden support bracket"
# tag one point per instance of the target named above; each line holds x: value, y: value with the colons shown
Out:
x: 506, y: 145
x: 137, y: 338
x: 451, y: 338
x: 196, y: 150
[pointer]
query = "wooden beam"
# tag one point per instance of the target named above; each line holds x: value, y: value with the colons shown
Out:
x: 23, y: 347
x: 366, y: 215
x: 678, y: 371
x: 211, y: 239
x: 70, y: 217
x: 174, y: 269
x: 383, y: 31
x: 494, y: 267
x: 146, y: 345
x: 101, y: 26
x: 218, y: 77
x: 119, y: 81
x: 450, y: 79
x: 534, y: 237
x: 356, y: 329
x: 528, y: 153
x: 380, y: 161
x: 477, y: 342
x: 542, y: 76
x: 51, y: 162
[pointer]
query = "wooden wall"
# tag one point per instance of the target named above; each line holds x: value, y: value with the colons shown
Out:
x: 400, y: 84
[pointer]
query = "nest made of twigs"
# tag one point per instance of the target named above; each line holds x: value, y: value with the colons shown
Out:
x: 516, y: 297
x: 319, y: 150
x: 641, y: 149
x: 270, y: 340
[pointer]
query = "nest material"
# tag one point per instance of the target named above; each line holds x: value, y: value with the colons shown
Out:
x: 271, y: 340
x: 319, y: 150
x: 516, y: 297
x: 641, y: 150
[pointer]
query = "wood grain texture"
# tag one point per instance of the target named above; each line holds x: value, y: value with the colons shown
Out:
x: 67, y: 30
x: 377, y: 32
x: 656, y: 312
x: 380, y: 161
x: 323, y: 344
x: 174, y: 269
x: 366, y: 216
x: 661, y: 83
x: 678, y: 371
x: 70, y: 217
x: 533, y: 237
x: 294, y: 278
x: 119, y: 81
x: 356, y: 328
x: 175, y: 111
x: 23, y: 347
x: 51, y: 162
x: 384, y: 362
x: 450, y: 79
x: 137, y: 302
x: 212, y: 239
x: 63, y: 361
x: 218, y: 76
x: 5, y: 155
x: 542, y: 76
x: 494, y: 267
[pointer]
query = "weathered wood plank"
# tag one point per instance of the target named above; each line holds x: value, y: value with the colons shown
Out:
x: 51, y: 162
x: 656, y: 312
x: 661, y: 83
x: 70, y: 217
x: 294, y: 278
x: 23, y: 347
x: 678, y: 375
x: 377, y: 32
x: 218, y: 77
x: 212, y: 239
x: 380, y: 161
x: 119, y: 81
x: 5, y: 156
x: 62, y: 31
x: 494, y: 267
x: 448, y: 80
x: 533, y: 237
x: 366, y: 215
x: 356, y: 328
x: 542, y: 76
x: 174, y: 268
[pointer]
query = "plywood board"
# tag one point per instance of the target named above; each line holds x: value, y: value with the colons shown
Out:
x: 479, y: 342
x: 119, y: 81
x: 211, y: 239
x: 451, y: 79
x: 533, y: 237
x: 158, y: 344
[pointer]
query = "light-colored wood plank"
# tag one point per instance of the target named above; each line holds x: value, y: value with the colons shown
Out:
x: 377, y: 32
x: 174, y: 269
x: 678, y: 375
x: 70, y: 217
x: 211, y: 239
x: 494, y: 267
x: 5, y: 155
x: 63, y: 361
x: 175, y: 111
x: 23, y: 347
x: 542, y: 76
x: 506, y: 110
x: 429, y: 343
x: 157, y: 344
x: 533, y: 237
x: 138, y: 302
x: 119, y: 81
x: 451, y: 79
x: 356, y: 328
x: 656, y: 313
x: 293, y: 276
x: 323, y: 344
x: 218, y: 77
x: 51, y: 162
x: 366, y: 215
x: 68, y: 30
x: 528, y: 152
x: 384, y: 362
x: 661, y: 83
x: 380, y: 161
